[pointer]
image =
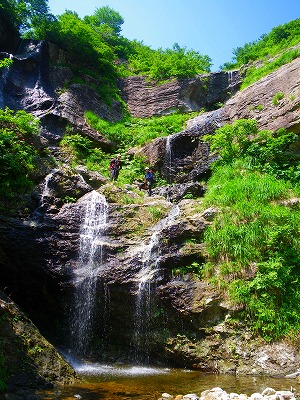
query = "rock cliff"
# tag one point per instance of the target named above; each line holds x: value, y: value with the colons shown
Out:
x: 184, y: 156
x: 145, y: 98
x: 149, y: 245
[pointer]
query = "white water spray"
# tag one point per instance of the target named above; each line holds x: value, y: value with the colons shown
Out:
x: 90, y: 264
x: 146, y: 284
x: 169, y: 159
x: 46, y: 192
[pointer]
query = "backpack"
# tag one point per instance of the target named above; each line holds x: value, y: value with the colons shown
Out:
x: 113, y: 163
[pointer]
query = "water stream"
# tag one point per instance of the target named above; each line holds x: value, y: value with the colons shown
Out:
x: 169, y: 159
x: 108, y: 382
x: 46, y: 190
x: 146, y: 285
x: 90, y: 263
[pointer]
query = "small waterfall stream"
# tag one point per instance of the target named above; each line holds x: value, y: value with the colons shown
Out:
x: 46, y: 191
x: 146, y: 285
x: 90, y: 264
x: 169, y: 159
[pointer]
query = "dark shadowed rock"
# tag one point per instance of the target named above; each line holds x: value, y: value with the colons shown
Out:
x: 176, y: 192
x: 35, y: 84
x: 31, y: 362
x: 9, y: 36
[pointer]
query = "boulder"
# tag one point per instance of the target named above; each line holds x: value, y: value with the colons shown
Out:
x: 31, y: 362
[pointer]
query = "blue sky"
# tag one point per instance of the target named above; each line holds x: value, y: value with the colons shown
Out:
x: 212, y: 27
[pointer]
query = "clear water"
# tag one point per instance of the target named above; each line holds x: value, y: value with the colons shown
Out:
x: 145, y: 383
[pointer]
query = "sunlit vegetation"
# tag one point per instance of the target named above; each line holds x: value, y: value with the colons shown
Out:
x: 138, y: 131
x: 96, y: 41
x: 19, y: 152
x: 125, y: 134
x: 253, y: 243
x: 272, y: 50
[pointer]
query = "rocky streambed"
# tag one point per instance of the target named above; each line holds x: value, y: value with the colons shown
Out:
x: 220, y: 394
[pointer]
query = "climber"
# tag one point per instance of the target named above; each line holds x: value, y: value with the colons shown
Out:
x: 148, y: 181
x: 115, y: 166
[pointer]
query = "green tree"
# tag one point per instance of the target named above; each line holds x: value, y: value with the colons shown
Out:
x: 164, y: 64
x: 107, y: 19
x: 26, y: 15
x: 18, y: 154
x: 74, y: 35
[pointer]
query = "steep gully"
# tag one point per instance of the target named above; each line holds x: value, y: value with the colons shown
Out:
x: 130, y: 292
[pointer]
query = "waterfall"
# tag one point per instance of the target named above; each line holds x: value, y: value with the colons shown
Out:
x: 146, y: 285
x: 90, y: 264
x: 169, y: 159
x: 46, y: 191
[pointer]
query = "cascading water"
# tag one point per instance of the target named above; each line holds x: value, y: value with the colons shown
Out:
x: 169, y: 159
x: 146, y: 285
x: 90, y: 264
x: 46, y: 191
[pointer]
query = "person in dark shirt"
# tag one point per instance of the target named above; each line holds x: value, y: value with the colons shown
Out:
x: 115, y: 167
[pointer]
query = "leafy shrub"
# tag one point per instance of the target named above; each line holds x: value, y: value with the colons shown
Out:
x: 265, y: 151
x: 253, y: 74
x: 268, y: 45
x: 164, y: 64
x: 6, y: 62
x: 254, y: 239
x: 18, y: 154
x: 137, y: 131
x: 80, y: 38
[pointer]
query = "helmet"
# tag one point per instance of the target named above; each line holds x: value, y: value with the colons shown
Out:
x: 147, y: 168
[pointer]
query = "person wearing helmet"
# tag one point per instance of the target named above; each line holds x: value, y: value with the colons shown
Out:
x: 115, y: 167
x: 149, y: 180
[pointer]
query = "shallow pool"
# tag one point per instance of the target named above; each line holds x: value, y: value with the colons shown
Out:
x: 115, y: 382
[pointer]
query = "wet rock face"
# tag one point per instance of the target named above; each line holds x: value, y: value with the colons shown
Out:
x: 35, y: 84
x: 187, y: 319
x: 184, y: 156
x: 185, y: 322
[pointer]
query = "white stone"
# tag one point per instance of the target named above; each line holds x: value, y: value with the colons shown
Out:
x: 256, y: 396
x: 190, y: 396
x: 268, y: 391
x: 285, y: 394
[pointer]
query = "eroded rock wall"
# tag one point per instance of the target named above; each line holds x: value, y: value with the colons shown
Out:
x: 145, y: 98
x: 184, y: 156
